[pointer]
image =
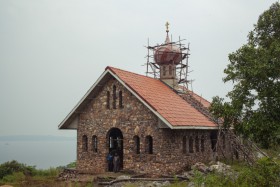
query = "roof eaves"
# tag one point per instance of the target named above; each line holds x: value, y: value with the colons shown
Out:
x: 73, y: 112
x: 195, y: 127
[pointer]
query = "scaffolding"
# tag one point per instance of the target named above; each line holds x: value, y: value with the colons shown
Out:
x: 182, y: 69
x: 240, y: 147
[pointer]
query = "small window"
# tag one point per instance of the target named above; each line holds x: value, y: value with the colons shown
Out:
x: 136, y: 144
x: 196, y: 144
x: 149, y: 145
x: 164, y: 70
x: 120, y: 100
x: 191, y: 145
x: 170, y: 70
x: 202, y: 144
x: 85, y: 143
x: 94, y: 144
x: 108, y: 100
x: 184, y: 144
x: 114, y: 97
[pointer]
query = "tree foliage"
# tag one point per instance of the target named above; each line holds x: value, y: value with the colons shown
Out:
x: 254, y: 69
x: 11, y: 167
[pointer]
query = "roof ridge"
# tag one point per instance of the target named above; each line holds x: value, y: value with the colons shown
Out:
x: 188, y: 90
x: 112, y: 69
x: 201, y: 97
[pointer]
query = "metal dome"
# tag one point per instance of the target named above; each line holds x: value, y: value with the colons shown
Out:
x: 167, y: 53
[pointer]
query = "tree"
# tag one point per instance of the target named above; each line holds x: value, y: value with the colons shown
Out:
x: 254, y: 69
x: 13, y: 166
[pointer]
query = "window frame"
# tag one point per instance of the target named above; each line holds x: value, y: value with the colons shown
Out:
x: 84, y: 143
x: 149, y: 144
x: 120, y: 99
x: 114, y: 97
x: 94, y: 144
x: 136, y: 145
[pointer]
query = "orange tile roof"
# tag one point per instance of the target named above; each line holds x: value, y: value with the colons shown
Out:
x: 164, y: 100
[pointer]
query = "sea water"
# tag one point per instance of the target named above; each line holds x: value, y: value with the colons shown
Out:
x: 42, y: 154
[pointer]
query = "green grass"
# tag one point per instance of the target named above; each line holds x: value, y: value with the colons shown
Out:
x: 18, y: 174
x: 264, y: 173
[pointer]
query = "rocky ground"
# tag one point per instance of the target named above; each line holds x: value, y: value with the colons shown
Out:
x: 120, y: 179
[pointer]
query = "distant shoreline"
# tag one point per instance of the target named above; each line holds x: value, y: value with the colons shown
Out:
x: 9, y: 138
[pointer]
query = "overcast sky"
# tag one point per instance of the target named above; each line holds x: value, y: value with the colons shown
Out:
x: 52, y: 51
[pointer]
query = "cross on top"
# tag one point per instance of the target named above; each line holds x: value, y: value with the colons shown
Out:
x: 167, y: 26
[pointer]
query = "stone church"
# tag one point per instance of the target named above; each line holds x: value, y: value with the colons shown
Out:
x: 154, y: 124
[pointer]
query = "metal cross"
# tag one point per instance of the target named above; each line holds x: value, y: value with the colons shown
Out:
x: 167, y: 26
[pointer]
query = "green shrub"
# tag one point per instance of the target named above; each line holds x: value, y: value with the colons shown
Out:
x: 219, y: 180
x: 89, y: 184
x: 71, y: 165
x: 178, y: 184
x: 15, y: 177
x: 9, y: 168
x: 51, y: 172
x: 198, y: 178
x: 264, y: 173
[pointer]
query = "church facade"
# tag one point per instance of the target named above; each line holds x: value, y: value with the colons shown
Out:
x: 154, y: 125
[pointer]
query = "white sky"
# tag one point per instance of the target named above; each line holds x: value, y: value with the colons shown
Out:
x: 52, y: 51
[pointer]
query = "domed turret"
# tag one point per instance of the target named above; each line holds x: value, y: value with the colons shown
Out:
x: 168, y: 56
x: 169, y: 61
x: 167, y: 53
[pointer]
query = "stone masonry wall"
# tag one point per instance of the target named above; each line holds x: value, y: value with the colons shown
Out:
x: 134, y: 118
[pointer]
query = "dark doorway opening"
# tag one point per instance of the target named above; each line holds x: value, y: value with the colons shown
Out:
x: 213, y: 137
x: 115, y: 144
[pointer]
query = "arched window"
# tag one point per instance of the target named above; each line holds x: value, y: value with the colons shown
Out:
x: 136, y: 144
x: 114, y: 97
x: 170, y: 70
x: 108, y: 100
x: 184, y: 142
x: 94, y: 144
x: 202, y: 144
x: 163, y: 70
x: 120, y: 100
x: 85, y: 143
x: 149, y: 145
x: 191, y: 145
x: 196, y: 144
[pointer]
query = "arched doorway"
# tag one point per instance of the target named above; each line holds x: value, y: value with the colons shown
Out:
x: 214, y: 139
x: 115, y: 143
